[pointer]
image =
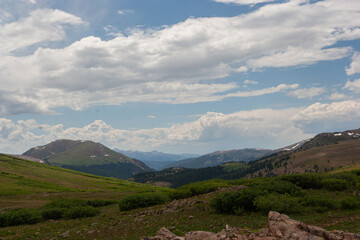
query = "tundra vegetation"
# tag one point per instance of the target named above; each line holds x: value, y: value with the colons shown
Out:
x: 88, y: 207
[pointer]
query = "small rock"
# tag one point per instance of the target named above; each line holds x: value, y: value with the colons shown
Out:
x: 65, y: 234
x: 196, y: 235
x: 227, y: 228
x: 278, y: 233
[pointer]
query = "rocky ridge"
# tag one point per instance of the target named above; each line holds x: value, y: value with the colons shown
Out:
x: 280, y: 226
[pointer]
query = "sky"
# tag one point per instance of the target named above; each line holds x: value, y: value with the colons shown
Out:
x: 177, y: 76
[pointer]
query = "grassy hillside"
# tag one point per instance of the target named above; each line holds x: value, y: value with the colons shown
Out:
x: 327, y: 202
x: 316, y: 159
x: 33, y: 183
x: 88, y: 156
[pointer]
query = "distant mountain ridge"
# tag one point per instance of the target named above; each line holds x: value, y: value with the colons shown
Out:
x: 324, y: 139
x: 322, y: 153
x: 221, y: 157
x: 155, y: 159
x: 175, y: 177
x: 89, y: 157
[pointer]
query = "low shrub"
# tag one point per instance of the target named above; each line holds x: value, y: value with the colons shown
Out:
x: 320, y: 202
x: 232, y: 202
x: 53, y: 213
x: 305, y: 180
x: 19, y: 217
x: 180, y: 194
x: 81, y: 212
x: 320, y: 209
x: 142, y: 200
x: 281, y: 187
x: 72, y: 208
x: 282, y: 203
x: 349, y: 177
x: 65, y: 203
x: 100, y: 202
x: 350, y: 203
x: 204, y: 187
x: 334, y: 184
x: 356, y: 172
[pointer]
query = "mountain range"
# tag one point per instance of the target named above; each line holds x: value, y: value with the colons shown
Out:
x: 221, y: 157
x: 89, y: 157
x: 156, y: 160
x: 325, y: 152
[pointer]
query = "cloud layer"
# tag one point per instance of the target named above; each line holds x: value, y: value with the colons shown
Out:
x: 267, y: 128
x: 173, y: 62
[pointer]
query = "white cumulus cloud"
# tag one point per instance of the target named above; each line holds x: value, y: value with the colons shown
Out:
x: 337, y: 96
x: 257, y: 128
x: 42, y: 25
x: 355, y: 65
x: 307, y: 92
x: 353, y: 86
x: 168, y: 64
x: 329, y: 113
x: 266, y: 128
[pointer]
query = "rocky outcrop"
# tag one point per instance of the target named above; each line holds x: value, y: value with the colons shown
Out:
x: 280, y: 226
x: 283, y: 227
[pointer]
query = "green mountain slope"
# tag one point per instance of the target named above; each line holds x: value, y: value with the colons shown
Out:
x: 21, y: 177
x: 221, y: 157
x: 89, y: 157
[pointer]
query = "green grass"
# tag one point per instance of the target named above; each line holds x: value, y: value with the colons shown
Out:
x: 40, y: 188
x: 113, y: 224
x: 230, y: 167
x: 24, y: 182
